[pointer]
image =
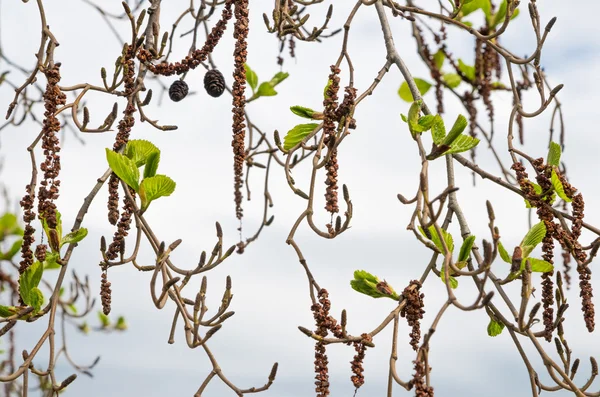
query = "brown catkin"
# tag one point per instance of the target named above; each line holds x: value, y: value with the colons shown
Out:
x: 329, y: 117
x: 105, y: 294
x: 413, y: 311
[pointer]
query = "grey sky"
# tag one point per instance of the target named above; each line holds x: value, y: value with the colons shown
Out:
x: 377, y: 161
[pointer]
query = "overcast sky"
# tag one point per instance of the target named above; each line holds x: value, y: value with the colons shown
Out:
x: 377, y: 161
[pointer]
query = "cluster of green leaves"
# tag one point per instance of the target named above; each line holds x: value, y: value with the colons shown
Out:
x: 139, y: 153
x: 493, y: 19
x: 368, y: 284
x: 266, y: 88
x: 553, y: 160
x: 454, y: 142
x: 9, y: 227
x: 30, y: 279
x: 532, y: 239
x: 464, y: 253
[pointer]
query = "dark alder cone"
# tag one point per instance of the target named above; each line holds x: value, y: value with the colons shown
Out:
x: 214, y: 83
x: 178, y: 90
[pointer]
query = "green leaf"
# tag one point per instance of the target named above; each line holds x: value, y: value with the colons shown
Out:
x: 278, y: 78
x: 104, y: 320
x: 438, y: 59
x: 526, y: 250
x: 139, y: 150
x: 9, y: 225
x: 459, y: 126
x: 465, y: 248
x: 452, y: 79
x: 472, y: 6
x: 36, y: 299
x: 74, y: 237
x: 365, y: 275
x: 7, y: 311
x: 404, y: 91
x: 467, y: 70
x: 436, y: 240
x: 51, y: 261
x: 155, y: 187
x: 251, y: 77
x: 266, y: 89
x: 151, y: 165
x: 426, y: 122
x: 538, y: 265
x: 494, y: 327
x: 124, y: 168
x: 368, y: 284
x: 297, y: 134
x: 534, y: 236
x: 438, y: 130
x: 504, y: 254
x: 73, y: 308
x: 29, y: 280
x: 403, y: 117
x: 453, y: 281
x: 500, y: 15
x: 413, y: 116
x: 302, y: 111
x: 121, y: 325
x: 558, y: 187
x: 554, y: 153
x: 462, y: 144
x: 14, y: 248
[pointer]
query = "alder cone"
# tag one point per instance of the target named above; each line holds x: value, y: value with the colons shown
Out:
x: 178, y: 90
x: 214, y: 83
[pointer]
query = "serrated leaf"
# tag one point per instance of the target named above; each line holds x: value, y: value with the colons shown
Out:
x: 251, y: 77
x: 151, y: 165
x: 436, y: 240
x: 467, y: 70
x: 297, y: 134
x: 29, y: 280
x: 452, y: 79
x: 504, y: 254
x: 465, y: 248
x: 459, y: 126
x: 302, y: 111
x: 534, y: 236
x: 14, y: 248
x: 425, y: 122
x: 155, y: 187
x: 266, y: 89
x: 554, y: 153
x: 558, y: 187
x: 494, y: 328
x: 36, y: 299
x: 453, y: 281
x: 124, y: 168
x: 278, y: 78
x: 74, y: 237
x: 539, y: 265
x: 139, y: 150
x: 438, y: 130
x: 462, y: 144
x: 422, y: 85
x: 438, y: 59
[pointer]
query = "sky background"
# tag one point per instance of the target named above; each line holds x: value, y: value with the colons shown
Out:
x: 378, y: 161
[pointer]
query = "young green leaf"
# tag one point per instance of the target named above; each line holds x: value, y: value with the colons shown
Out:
x: 426, y: 122
x: 51, y: 261
x: 104, y: 320
x: 538, y: 265
x: 422, y: 85
x: 14, y: 248
x: 121, y: 325
x: 503, y: 253
x: 9, y: 226
x: 436, y: 240
x: 278, y: 78
x: 462, y: 144
x: 494, y: 327
x: 538, y: 190
x: 452, y: 79
x: 438, y: 130
x: 303, y: 112
x: 297, y: 134
x: 326, y: 88
x: 251, y: 77
x: 124, y: 168
x: 465, y: 248
x: 453, y: 281
x: 155, y: 187
x: 438, y: 59
x: 467, y: 70
x: 368, y: 284
x: 151, y: 165
x: 534, y: 236
x: 7, y: 311
x: 558, y: 187
x: 36, y: 299
x: 29, y: 280
x: 554, y: 153
x: 459, y: 126
x: 74, y: 237
x: 139, y: 150
x: 266, y: 89
x: 413, y: 116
